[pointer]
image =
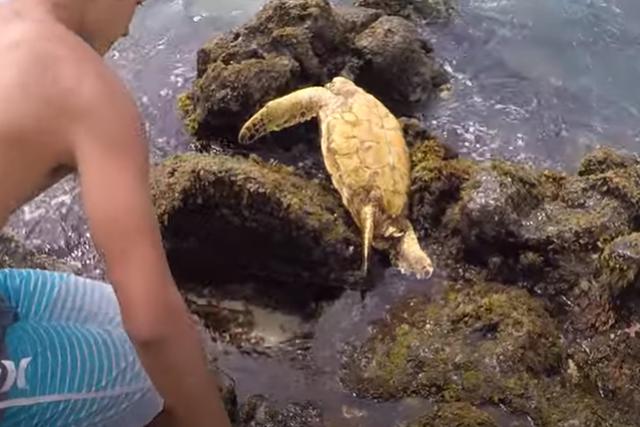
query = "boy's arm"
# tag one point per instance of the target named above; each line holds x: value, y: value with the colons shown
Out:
x: 112, y: 161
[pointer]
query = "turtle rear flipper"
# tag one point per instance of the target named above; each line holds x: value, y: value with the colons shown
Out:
x: 410, y: 258
x: 296, y: 107
x: 366, y: 220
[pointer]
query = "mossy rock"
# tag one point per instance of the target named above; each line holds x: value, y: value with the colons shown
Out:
x: 607, y: 365
x: 456, y: 414
x: 429, y: 11
x: 606, y: 159
x: 538, y: 229
x: 494, y: 205
x: 620, y: 264
x: 230, y: 219
x: 290, y: 44
x: 436, y: 183
x: 480, y: 344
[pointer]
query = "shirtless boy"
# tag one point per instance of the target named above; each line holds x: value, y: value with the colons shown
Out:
x: 77, y: 352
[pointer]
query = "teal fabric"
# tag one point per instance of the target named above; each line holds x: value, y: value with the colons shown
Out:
x: 66, y: 359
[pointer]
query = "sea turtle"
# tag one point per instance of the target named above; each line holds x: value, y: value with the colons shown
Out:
x: 367, y: 158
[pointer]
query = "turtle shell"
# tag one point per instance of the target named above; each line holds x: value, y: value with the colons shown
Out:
x: 366, y: 155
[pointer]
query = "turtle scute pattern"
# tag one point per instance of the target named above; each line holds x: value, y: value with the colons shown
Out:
x: 366, y: 151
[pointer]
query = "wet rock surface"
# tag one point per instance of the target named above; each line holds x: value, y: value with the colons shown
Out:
x: 429, y: 11
x: 480, y: 344
x: 242, y: 220
x: 257, y: 411
x: 539, y: 316
x: 14, y: 254
x: 449, y: 348
x: 455, y: 415
x: 545, y: 231
x: 292, y: 44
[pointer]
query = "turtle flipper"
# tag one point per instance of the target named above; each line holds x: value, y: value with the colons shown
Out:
x: 411, y: 258
x: 366, y: 219
x: 296, y: 107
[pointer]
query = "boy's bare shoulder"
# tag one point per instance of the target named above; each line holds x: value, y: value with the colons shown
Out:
x: 50, y: 69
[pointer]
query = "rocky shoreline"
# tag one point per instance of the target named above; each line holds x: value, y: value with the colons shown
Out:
x: 540, y: 269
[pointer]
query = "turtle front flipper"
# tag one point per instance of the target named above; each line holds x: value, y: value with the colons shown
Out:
x: 409, y: 257
x: 296, y: 107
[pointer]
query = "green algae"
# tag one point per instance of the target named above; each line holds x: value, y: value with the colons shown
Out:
x: 455, y: 414
x: 454, y: 344
x: 435, y: 183
x: 187, y: 110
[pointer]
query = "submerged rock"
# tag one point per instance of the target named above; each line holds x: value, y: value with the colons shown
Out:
x: 14, y: 254
x: 480, y: 344
x: 257, y: 411
x: 292, y: 44
x: 228, y: 219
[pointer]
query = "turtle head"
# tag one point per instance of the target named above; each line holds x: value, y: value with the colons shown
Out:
x: 410, y: 258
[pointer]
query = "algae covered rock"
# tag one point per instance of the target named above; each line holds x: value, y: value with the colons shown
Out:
x: 457, y: 414
x: 480, y: 342
x: 605, y: 159
x: 542, y: 230
x: 257, y: 411
x: 608, y: 365
x: 415, y: 10
x: 494, y: 204
x: 620, y: 264
x: 228, y: 219
x: 438, y: 176
x: 291, y: 44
